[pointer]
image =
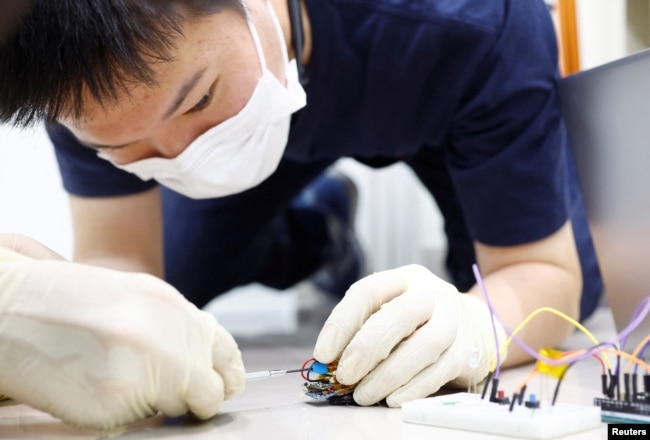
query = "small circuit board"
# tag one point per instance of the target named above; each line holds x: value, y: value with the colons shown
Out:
x: 622, y: 411
x: 321, y: 384
x: 469, y: 412
x: 625, y: 404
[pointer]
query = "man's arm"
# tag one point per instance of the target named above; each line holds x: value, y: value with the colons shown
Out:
x: 521, y: 279
x: 402, y: 334
x: 123, y: 232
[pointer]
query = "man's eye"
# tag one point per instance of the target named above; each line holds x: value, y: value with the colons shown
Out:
x: 203, y: 102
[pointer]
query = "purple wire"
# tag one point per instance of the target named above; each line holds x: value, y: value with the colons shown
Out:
x: 640, y: 355
x: 642, y: 311
x: 639, y: 315
x: 493, y: 315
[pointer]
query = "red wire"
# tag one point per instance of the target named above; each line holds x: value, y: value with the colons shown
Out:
x: 598, y: 358
x: 304, y: 365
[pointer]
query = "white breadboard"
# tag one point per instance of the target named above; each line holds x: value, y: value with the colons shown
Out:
x: 468, y: 412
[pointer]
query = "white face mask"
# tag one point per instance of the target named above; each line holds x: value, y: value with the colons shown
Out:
x: 241, y: 151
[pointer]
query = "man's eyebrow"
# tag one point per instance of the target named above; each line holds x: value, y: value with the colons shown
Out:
x: 185, y: 89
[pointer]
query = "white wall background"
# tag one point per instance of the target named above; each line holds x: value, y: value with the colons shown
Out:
x: 32, y: 200
x: 610, y: 29
x: 601, y: 31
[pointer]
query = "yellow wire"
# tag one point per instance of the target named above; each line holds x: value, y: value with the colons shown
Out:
x: 503, y: 349
x: 535, y: 372
x: 631, y: 358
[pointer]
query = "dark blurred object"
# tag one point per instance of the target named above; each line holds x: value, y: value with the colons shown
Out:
x: 10, y: 13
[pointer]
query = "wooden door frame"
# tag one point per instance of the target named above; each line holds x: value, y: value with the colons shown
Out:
x: 568, y: 36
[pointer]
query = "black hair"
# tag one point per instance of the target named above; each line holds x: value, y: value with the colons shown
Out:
x: 62, y: 48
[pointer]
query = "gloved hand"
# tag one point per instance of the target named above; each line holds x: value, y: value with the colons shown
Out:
x: 27, y: 247
x: 100, y: 348
x: 404, y: 333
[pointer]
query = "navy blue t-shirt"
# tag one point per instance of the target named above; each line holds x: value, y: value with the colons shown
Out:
x: 469, y: 82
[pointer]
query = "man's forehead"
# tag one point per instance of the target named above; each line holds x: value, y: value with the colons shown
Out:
x: 172, y: 81
x: 199, y: 55
x: 118, y: 121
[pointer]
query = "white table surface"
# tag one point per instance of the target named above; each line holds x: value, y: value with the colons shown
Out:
x: 276, y: 408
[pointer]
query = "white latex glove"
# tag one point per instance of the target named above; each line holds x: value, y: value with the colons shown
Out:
x: 100, y: 348
x: 404, y: 333
x: 28, y: 247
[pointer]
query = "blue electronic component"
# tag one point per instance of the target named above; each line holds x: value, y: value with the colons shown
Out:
x: 319, y: 368
x: 532, y: 401
x: 323, y: 385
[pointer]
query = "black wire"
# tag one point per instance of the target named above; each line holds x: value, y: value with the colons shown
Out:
x: 486, y: 384
x: 559, y: 381
x: 297, y: 38
x: 515, y: 398
x: 521, y: 394
x: 618, y: 372
x: 309, y: 371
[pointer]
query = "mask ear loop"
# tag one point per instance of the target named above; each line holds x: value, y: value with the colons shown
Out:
x: 256, y: 41
x: 297, y: 38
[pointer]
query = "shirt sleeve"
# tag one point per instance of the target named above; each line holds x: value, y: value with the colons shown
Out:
x: 85, y: 174
x: 508, y: 155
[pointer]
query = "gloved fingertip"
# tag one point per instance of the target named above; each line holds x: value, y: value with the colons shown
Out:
x: 325, y: 353
x: 228, y: 363
x: 324, y: 356
x: 411, y: 392
x: 330, y: 343
x: 398, y: 397
x: 393, y: 403
x: 234, y: 380
x: 344, y: 378
x: 363, y: 398
x: 205, y: 395
x: 352, y: 368
x: 235, y: 385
